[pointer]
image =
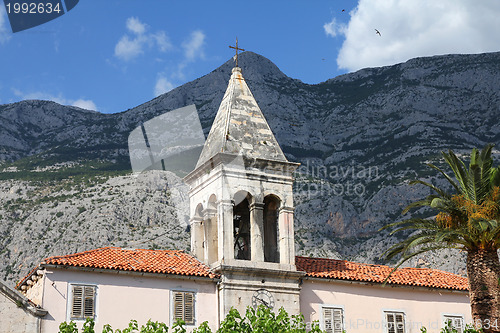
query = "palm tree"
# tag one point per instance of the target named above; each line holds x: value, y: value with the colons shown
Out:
x: 469, y: 220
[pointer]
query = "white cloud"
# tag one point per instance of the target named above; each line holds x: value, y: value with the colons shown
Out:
x: 162, y: 41
x: 5, y: 32
x: 193, y: 50
x: 134, y: 25
x: 193, y: 47
x: 85, y: 104
x: 127, y: 48
x: 162, y: 86
x: 81, y: 103
x: 417, y: 28
x: 130, y: 47
x: 332, y: 28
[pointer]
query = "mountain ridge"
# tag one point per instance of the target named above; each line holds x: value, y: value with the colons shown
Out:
x: 65, y: 179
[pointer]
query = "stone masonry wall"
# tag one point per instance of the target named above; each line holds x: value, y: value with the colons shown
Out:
x: 14, y: 318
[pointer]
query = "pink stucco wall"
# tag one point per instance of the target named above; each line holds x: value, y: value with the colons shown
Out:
x: 364, y: 305
x: 122, y: 297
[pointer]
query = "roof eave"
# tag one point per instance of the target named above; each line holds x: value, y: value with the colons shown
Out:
x: 392, y: 285
x: 213, y: 278
x: 22, y: 301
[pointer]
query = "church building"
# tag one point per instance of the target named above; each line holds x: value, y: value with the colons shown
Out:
x: 242, y: 254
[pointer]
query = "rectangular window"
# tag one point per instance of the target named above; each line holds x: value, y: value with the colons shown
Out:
x: 333, y: 320
x: 395, y: 322
x: 183, y: 306
x: 456, y: 322
x: 83, y: 301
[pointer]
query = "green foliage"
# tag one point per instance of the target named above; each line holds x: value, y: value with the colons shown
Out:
x: 88, y: 326
x: 178, y: 327
x: 68, y: 328
x: 260, y: 320
x: 469, y: 219
x: 203, y: 328
x: 154, y: 327
x: 263, y: 320
x: 449, y: 329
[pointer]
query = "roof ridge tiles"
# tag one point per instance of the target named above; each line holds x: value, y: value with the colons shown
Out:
x: 179, y: 262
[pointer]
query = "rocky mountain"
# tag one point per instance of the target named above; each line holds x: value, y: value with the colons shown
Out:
x: 66, y: 186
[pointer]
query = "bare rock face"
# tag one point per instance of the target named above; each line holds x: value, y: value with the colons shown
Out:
x: 65, y: 184
x: 41, y: 219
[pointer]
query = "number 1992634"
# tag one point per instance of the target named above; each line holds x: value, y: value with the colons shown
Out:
x: 32, y: 8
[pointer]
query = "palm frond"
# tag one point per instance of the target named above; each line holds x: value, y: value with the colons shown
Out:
x: 469, y: 220
x: 445, y: 175
x: 421, y: 203
x: 480, y: 175
x: 436, y: 189
x: 495, y: 177
x: 459, y: 170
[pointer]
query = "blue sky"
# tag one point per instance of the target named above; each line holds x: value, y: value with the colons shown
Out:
x: 113, y: 55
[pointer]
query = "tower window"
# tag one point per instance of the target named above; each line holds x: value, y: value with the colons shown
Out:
x: 241, y: 221
x: 271, y: 250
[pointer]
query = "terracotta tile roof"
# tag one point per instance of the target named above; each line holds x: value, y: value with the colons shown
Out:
x: 346, y: 270
x: 181, y: 263
x: 147, y: 261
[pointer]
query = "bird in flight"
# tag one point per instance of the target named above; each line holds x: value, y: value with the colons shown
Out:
x: 343, y: 10
x: 378, y: 32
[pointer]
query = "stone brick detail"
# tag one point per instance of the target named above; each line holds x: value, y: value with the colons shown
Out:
x: 17, y: 313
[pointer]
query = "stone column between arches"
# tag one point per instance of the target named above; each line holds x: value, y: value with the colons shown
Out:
x: 257, y: 231
x: 196, y: 225
x: 285, y: 232
x: 225, y: 230
x: 210, y: 230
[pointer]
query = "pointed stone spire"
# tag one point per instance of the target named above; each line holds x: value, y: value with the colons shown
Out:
x: 240, y: 127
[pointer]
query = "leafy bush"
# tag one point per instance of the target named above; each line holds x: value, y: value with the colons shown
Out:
x: 261, y: 319
x: 450, y: 329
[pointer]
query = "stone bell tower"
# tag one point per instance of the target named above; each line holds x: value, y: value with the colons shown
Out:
x: 241, y: 207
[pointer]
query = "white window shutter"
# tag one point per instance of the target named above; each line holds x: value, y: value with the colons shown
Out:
x: 89, y: 302
x: 333, y: 320
x: 83, y: 302
x: 183, y: 306
x: 77, y: 305
x: 455, y: 321
x: 395, y: 322
x: 178, y: 305
x: 328, y: 318
x: 400, y: 323
x: 337, y: 321
x: 189, y: 308
x: 458, y: 324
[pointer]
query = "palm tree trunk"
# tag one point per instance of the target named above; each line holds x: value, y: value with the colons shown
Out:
x: 483, y: 271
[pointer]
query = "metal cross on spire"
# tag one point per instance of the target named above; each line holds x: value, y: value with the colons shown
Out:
x: 237, y: 49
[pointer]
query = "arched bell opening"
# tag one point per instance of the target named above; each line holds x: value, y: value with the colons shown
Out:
x: 197, y: 234
x: 241, y: 226
x: 198, y: 213
x: 212, y: 202
x: 271, y: 232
